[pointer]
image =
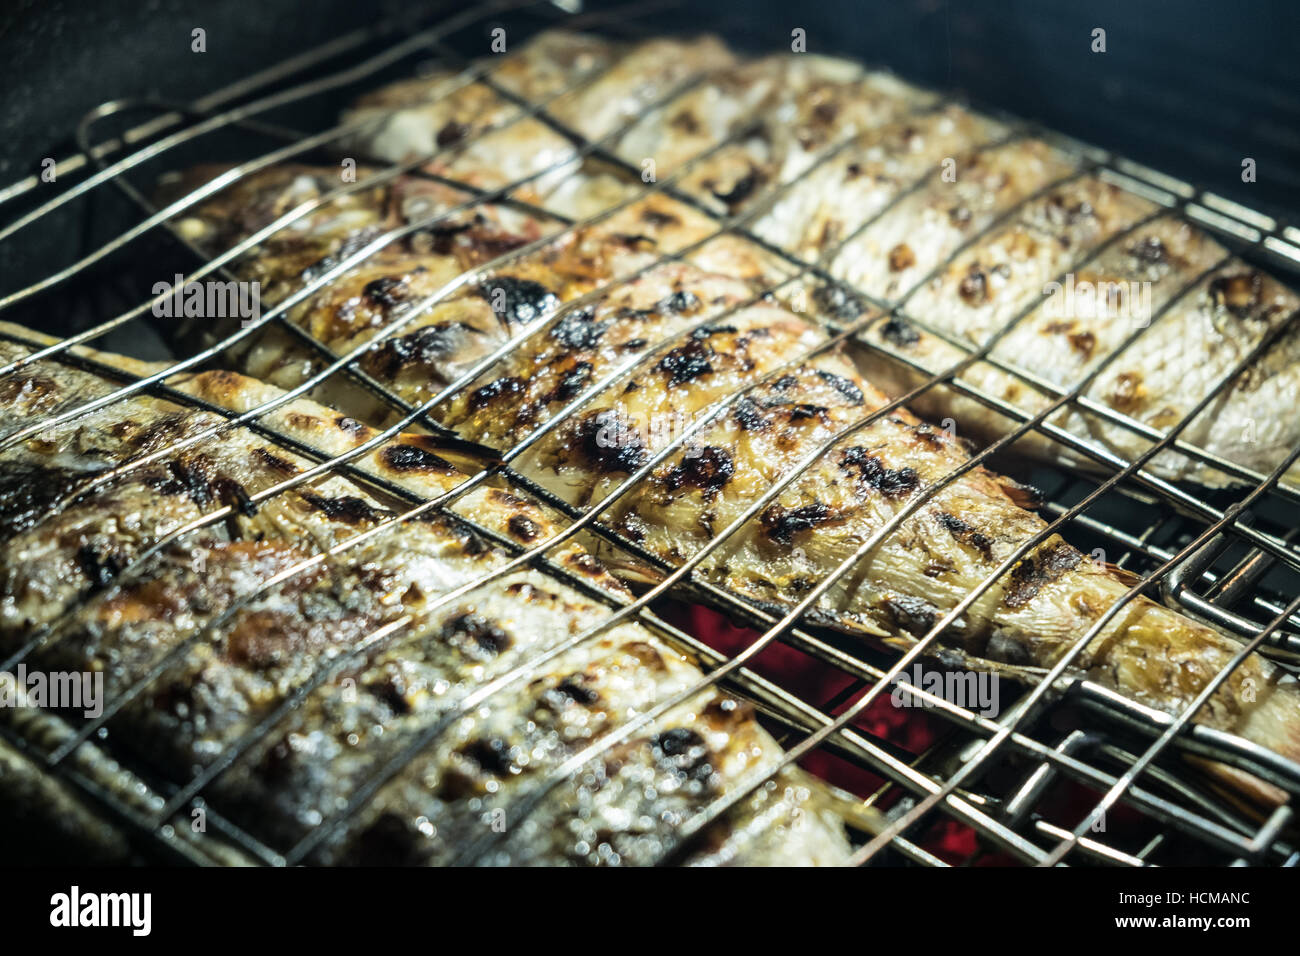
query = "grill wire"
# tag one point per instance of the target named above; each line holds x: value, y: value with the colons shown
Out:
x: 1224, y: 557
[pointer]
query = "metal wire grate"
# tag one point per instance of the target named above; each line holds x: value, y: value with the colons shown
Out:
x: 1227, y: 557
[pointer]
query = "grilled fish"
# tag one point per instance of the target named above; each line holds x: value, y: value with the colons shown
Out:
x: 672, y: 318
x: 873, y: 228
x: 208, y: 648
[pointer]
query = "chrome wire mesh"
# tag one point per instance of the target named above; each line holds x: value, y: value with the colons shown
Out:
x: 1225, y: 557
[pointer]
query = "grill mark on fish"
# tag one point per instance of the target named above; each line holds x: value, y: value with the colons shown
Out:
x: 842, y: 385
x: 578, y: 330
x: 687, y: 363
x: 784, y: 524
x: 871, y: 471
x: 408, y: 458
x: 611, y: 443
x: 346, y: 508
x: 1035, y: 572
x: 477, y: 634
x: 967, y: 534
x: 517, y: 301
x: 27, y: 493
x: 708, y: 470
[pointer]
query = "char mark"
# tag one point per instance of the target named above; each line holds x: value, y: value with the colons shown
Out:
x: 346, y: 508
x: 423, y: 347
x: 749, y: 416
x: 839, y: 302
x: 890, y: 482
x: 611, y: 443
x: 967, y: 534
x: 523, y: 527
x: 844, y: 386
x: 579, y: 330
x: 476, y: 635
x: 1037, y: 571
x: 687, y: 363
x: 782, y: 524
x: 413, y: 458
x: 573, y: 382
x: 28, y: 493
x: 900, y: 332
x: 489, y: 393
x: 518, y: 301
x: 709, y: 470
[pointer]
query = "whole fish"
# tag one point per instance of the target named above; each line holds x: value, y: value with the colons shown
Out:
x: 218, y: 643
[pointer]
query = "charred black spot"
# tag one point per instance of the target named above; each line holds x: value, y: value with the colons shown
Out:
x: 839, y: 302
x: 1034, y: 572
x: 844, y: 386
x: 891, y: 482
x: 274, y: 462
x: 798, y: 411
x: 386, y: 292
x: 1149, y: 251
x: 27, y: 493
x: 611, y: 443
x: 390, y: 691
x: 347, y: 508
x: 653, y: 217
x: 452, y: 132
x: 974, y: 286
x: 573, y: 382
x: 785, y: 382
x: 523, y: 527
x: 388, y: 842
x: 584, y: 562
x: 967, y: 534
x: 683, y: 751
x: 232, y: 494
x: 489, y: 393
x: 749, y: 417
x: 518, y: 301
x: 100, y: 568
x: 912, y: 614
x: 493, y: 755
x: 679, y: 302
x: 573, y: 689
x: 708, y: 331
x: 577, y: 330
x: 1239, y: 294
x: 687, y: 363
x: 900, y: 332
x: 708, y: 470
x: 412, y: 458
x: 740, y: 190
x: 475, y: 634
x: 781, y: 524
x: 424, y: 346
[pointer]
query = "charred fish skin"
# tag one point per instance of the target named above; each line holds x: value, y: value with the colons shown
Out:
x: 229, y: 650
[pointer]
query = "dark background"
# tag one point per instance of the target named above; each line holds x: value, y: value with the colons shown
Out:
x: 1187, y: 86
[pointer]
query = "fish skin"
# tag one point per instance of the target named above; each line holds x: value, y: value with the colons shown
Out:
x: 1150, y: 654
x: 222, y: 685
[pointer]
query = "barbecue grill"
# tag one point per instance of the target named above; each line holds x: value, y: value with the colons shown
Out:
x: 1069, y: 771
